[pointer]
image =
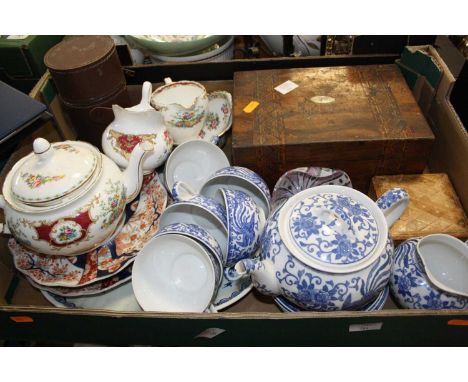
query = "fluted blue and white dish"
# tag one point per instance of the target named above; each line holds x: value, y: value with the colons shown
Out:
x: 245, y: 223
x: 327, y: 248
x: 302, y: 178
x: 239, y: 178
x: 431, y: 273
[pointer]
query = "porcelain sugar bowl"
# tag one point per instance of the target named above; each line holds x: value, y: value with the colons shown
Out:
x: 134, y: 125
x: 66, y: 198
x: 327, y: 248
x: 183, y: 105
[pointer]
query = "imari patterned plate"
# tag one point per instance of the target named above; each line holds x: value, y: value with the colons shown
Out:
x: 142, y: 222
x: 218, y: 116
x: 95, y: 288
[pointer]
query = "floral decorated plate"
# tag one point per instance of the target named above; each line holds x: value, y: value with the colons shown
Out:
x: 286, y: 306
x: 231, y: 291
x: 90, y: 289
x: 218, y: 116
x: 299, y: 179
x: 120, y: 298
x: 142, y: 222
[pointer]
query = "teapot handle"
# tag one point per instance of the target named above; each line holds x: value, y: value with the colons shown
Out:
x: 146, y: 91
x: 393, y: 203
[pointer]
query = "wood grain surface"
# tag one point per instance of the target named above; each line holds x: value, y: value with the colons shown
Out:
x: 370, y: 124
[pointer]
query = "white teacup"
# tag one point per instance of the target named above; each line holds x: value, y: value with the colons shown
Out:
x: 194, y: 163
x: 174, y: 273
x: 183, y: 105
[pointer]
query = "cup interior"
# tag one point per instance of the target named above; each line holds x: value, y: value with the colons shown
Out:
x: 193, y: 214
x: 446, y: 261
x: 211, y: 187
x: 182, y: 93
x: 173, y: 273
x: 193, y: 163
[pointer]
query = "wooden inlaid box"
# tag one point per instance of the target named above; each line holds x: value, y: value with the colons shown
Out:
x: 361, y: 119
x: 433, y: 208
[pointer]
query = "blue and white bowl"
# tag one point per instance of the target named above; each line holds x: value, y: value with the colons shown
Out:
x: 175, y: 273
x: 199, y: 210
x: 245, y: 223
x: 431, y: 273
x: 327, y: 248
x: 302, y: 178
x: 242, y: 179
x: 202, y: 236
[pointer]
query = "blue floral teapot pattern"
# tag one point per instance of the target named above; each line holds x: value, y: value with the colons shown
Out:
x: 327, y: 248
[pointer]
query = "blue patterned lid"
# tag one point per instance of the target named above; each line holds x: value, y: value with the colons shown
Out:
x: 331, y: 228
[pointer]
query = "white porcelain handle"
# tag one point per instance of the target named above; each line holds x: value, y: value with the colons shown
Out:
x: 393, y: 203
x: 211, y: 309
x: 182, y: 192
x: 243, y: 268
x: 168, y: 80
x: 146, y: 91
x: 3, y: 227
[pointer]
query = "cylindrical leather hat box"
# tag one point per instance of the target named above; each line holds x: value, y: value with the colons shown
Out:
x: 90, y: 121
x: 85, y: 69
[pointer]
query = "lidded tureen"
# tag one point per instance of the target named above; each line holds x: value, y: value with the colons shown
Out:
x: 327, y: 248
x: 66, y: 198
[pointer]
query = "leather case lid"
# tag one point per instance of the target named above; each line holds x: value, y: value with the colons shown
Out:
x: 16, y: 110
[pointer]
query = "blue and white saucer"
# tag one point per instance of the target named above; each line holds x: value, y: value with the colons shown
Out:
x: 286, y: 306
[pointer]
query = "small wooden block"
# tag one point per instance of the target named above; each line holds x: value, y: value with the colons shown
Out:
x: 433, y: 208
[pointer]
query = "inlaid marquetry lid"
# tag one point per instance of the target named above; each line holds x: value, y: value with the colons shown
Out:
x: 333, y: 228
x: 53, y: 171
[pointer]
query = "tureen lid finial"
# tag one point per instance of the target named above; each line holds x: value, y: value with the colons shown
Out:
x: 41, y: 145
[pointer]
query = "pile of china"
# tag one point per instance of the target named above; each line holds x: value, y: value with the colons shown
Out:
x: 79, y: 218
x: 216, y: 220
x: 100, y: 231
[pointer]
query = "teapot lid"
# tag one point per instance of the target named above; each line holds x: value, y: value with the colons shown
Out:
x: 53, y: 171
x: 333, y: 228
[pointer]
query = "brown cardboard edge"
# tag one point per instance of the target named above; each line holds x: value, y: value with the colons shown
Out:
x: 237, y: 316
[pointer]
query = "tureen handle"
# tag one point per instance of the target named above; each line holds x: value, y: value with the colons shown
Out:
x: 393, y: 203
x: 168, y: 80
x: 146, y: 92
x: 3, y: 227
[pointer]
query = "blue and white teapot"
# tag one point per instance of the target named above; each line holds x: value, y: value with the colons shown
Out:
x: 327, y: 248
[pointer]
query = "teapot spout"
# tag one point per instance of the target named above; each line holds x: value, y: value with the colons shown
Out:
x: 133, y: 175
x: 393, y: 203
x: 262, y: 272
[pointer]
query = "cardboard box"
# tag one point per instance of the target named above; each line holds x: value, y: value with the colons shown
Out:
x: 254, y: 321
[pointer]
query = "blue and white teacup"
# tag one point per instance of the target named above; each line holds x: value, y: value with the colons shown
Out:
x: 242, y: 179
x: 245, y: 223
x: 174, y: 272
x: 190, y: 208
x: 431, y: 273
